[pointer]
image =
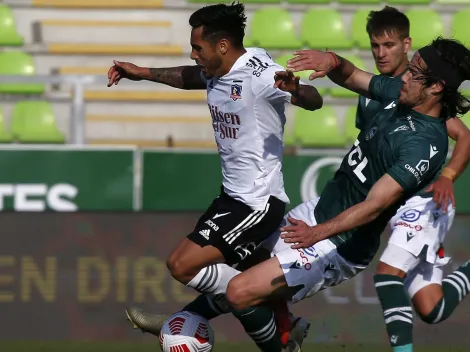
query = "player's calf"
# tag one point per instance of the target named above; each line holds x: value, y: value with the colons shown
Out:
x: 455, y: 287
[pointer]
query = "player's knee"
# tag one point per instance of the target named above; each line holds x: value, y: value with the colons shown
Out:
x: 430, y: 318
x: 178, y: 269
x: 237, y: 294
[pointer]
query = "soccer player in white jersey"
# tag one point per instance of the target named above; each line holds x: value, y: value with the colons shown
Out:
x: 415, y: 249
x: 247, y: 109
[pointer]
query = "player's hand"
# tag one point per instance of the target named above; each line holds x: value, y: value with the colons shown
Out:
x: 286, y: 81
x: 319, y: 61
x: 299, y: 233
x: 123, y: 70
x: 443, y: 192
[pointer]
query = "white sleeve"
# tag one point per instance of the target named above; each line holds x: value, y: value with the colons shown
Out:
x: 263, y: 86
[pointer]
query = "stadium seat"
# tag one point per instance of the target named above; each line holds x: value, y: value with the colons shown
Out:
x: 282, y: 60
x: 272, y: 27
x: 409, y: 2
x: 8, y: 34
x: 261, y: 1
x: 350, y: 130
x: 426, y: 25
x: 317, y: 128
x: 453, y: 2
x: 359, y: 34
x: 360, y: 1
x: 341, y: 92
x: 34, y: 122
x: 210, y: 1
x: 308, y: 1
x: 139, y: 95
x: 466, y: 119
x: 18, y: 63
x: 323, y: 28
x: 460, y: 28
x: 104, y: 4
x: 113, y: 49
x: 5, y: 136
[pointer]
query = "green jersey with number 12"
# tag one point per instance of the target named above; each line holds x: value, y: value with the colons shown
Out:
x: 398, y: 141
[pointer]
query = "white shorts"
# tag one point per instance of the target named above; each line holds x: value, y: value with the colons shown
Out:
x: 418, y: 232
x: 315, y: 268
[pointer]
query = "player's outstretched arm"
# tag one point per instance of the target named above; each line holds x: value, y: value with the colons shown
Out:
x: 338, y: 69
x: 382, y: 195
x: 443, y: 187
x: 304, y: 96
x: 183, y: 77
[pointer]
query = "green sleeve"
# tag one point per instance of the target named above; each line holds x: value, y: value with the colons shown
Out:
x: 417, y: 163
x: 384, y: 88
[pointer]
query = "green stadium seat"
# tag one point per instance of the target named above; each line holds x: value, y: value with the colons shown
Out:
x: 360, y: 1
x: 466, y: 119
x: 5, y: 136
x: 272, y: 28
x: 324, y: 28
x: 318, y: 128
x: 350, y: 130
x: 308, y: 1
x: 341, y: 92
x: 460, y: 28
x: 8, y: 34
x: 453, y: 2
x: 408, y: 2
x: 261, y: 1
x: 18, y: 63
x: 35, y: 122
x: 426, y: 25
x: 359, y: 34
x: 282, y: 60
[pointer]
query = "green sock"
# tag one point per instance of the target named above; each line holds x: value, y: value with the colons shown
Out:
x: 455, y: 287
x: 209, y: 306
x: 259, y: 323
x: 397, y: 311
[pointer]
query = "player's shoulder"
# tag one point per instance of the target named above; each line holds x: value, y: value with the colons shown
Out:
x: 260, y: 67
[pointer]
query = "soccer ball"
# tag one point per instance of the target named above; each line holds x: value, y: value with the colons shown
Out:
x: 186, y: 332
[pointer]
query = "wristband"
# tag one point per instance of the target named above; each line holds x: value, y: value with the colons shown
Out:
x: 334, y: 58
x: 449, y: 173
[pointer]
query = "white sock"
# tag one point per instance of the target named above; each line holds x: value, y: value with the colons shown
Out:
x: 213, y: 279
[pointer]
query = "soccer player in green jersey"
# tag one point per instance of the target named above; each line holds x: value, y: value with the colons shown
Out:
x: 423, y: 221
x: 427, y: 91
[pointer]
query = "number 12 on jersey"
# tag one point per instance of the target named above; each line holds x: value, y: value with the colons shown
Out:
x: 362, y: 161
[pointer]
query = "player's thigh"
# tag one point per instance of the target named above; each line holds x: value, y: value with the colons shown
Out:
x: 256, y: 284
x: 234, y: 229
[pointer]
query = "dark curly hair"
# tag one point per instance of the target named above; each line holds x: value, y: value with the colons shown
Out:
x: 221, y: 21
x: 457, y: 56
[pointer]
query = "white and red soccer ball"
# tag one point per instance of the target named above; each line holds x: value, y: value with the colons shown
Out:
x: 186, y: 332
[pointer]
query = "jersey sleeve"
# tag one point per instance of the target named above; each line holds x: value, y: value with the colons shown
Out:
x: 417, y: 163
x: 384, y: 88
x: 263, y: 86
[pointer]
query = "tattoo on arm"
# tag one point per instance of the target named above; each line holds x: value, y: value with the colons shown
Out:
x: 183, y: 77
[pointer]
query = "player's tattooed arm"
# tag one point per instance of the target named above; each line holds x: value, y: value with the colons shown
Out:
x: 183, y: 77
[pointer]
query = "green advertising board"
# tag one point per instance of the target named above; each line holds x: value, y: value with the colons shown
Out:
x: 66, y: 179
x: 190, y: 181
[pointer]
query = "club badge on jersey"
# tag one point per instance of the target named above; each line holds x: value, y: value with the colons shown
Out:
x: 236, y: 90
